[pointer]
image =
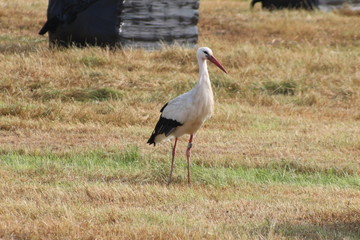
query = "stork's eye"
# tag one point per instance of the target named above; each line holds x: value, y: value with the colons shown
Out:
x: 206, y: 53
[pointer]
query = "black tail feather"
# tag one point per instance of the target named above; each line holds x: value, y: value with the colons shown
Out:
x: 152, y: 139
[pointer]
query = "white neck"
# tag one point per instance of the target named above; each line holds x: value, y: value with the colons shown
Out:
x: 202, y: 93
x: 203, y: 73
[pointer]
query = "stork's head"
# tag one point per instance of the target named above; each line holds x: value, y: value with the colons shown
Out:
x: 206, y: 53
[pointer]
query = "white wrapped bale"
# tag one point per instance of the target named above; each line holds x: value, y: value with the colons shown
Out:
x: 150, y: 23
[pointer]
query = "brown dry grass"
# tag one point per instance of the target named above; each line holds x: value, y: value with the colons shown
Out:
x: 57, y: 104
x: 121, y: 211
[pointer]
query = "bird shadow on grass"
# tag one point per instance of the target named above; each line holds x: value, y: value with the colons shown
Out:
x: 336, y: 230
x: 321, y: 226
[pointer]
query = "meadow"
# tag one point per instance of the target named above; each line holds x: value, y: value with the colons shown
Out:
x: 279, y: 159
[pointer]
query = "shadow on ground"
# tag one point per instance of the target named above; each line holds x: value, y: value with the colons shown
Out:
x: 332, y: 226
x: 337, y: 230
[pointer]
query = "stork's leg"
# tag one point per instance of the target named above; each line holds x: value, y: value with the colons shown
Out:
x: 172, y: 162
x: 188, y: 151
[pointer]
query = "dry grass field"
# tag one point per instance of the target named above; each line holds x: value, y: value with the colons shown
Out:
x: 280, y: 158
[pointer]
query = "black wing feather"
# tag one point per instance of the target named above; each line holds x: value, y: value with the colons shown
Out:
x: 163, y: 126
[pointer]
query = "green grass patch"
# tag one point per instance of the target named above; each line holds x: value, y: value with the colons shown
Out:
x: 131, y: 166
x: 287, y: 87
x: 101, y: 94
x: 233, y: 176
x: 93, y: 61
x: 226, y: 84
x: 27, y: 111
x: 11, y: 109
x: 81, y: 95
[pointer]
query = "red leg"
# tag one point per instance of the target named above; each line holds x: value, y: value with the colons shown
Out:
x: 172, y: 162
x: 188, y: 151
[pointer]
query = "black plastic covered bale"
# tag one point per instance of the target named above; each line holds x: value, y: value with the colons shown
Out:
x: 135, y: 23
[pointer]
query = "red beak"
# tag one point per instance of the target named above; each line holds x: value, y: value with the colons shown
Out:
x: 214, y: 61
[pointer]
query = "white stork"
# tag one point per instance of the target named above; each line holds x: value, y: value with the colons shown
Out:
x: 186, y: 113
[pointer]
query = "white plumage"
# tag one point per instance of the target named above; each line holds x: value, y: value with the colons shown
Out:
x: 186, y: 113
